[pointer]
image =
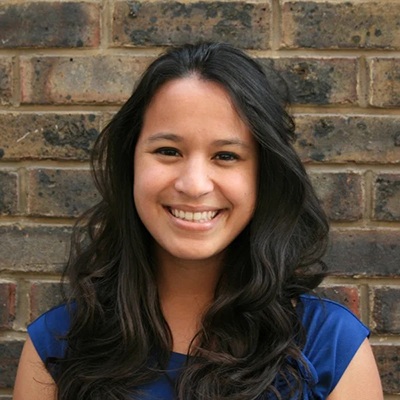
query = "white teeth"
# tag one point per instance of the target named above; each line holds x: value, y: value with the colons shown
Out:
x: 204, y: 216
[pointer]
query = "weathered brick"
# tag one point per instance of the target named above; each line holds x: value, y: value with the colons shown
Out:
x: 7, y: 304
x: 354, y: 138
x: 8, y: 192
x: 6, y: 77
x: 316, y: 81
x: 49, y: 24
x: 60, y: 192
x: 387, y: 197
x: 384, y: 83
x: 388, y: 360
x: 348, y: 295
x: 370, y: 25
x: 385, y: 313
x: 43, y: 296
x: 10, y: 351
x: 48, y: 136
x: 364, y: 252
x: 139, y: 23
x: 34, y: 248
x: 65, y: 80
x: 340, y: 195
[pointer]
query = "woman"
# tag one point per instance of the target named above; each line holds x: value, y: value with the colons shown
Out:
x: 191, y: 282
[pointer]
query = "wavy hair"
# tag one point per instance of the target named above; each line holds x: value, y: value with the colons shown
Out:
x: 251, y: 334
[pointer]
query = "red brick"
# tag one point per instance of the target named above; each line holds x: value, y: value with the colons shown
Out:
x: 6, y: 77
x: 83, y: 80
x: 348, y: 295
x: 49, y: 24
x: 340, y: 195
x: 43, y: 296
x: 8, y: 192
x: 40, y: 248
x: 343, y: 139
x: 387, y: 197
x: 48, y: 136
x: 161, y: 23
x: 369, y: 253
x: 7, y: 304
x: 384, y: 86
x: 60, y: 192
x: 388, y: 360
x: 10, y: 351
x: 385, y: 313
x: 316, y: 80
x: 369, y: 25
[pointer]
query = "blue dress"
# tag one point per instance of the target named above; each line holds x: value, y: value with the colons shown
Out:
x: 334, y: 335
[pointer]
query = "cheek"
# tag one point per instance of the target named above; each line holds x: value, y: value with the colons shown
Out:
x: 149, y: 182
x: 246, y: 189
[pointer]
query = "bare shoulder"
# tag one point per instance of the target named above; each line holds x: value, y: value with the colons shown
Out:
x: 33, y: 381
x: 360, y: 380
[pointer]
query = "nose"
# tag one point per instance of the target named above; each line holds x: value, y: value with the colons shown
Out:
x: 194, y: 178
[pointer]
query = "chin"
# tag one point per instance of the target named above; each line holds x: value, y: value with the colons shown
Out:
x: 192, y: 254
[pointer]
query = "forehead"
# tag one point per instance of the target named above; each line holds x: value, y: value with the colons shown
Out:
x: 191, y: 104
x: 189, y: 89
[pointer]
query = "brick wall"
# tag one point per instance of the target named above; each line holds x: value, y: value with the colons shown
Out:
x: 66, y: 66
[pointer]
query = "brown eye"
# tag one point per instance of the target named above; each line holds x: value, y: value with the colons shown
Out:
x: 168, y: 151
x: 227, y: 156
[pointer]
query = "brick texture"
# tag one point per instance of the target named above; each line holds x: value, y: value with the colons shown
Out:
x: 340, y: 194
x: 369, y: 25
x: 384, y: 83
x: 385, y: 314
x: 141, y: 23
x: 317, y: 81
x: 48, y: 136
x: 7, y: 304
x: 54, y: 24
x: 6, y: 76
x: 65, y: 80
x: 8, y: 192
x: 43, y: 296
x: 387, y: 197
x: 60, y: 192
x: 33, y: 248
x: 364, y: 253
x: 354, y: 138
x: 388, y: 359
x: 10, y: 351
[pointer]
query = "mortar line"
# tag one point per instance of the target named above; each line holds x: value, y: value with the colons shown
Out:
x: 362, y: 82
x: 276, y: 26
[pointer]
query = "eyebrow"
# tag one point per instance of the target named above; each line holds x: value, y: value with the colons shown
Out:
x: 231, y: 142
x: 164, y: 136
x: 176, y: 138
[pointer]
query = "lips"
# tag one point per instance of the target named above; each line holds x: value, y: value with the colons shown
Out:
x: 197, y: 216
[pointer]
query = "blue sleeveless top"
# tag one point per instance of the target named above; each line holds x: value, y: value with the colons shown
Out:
x: 334, y: 335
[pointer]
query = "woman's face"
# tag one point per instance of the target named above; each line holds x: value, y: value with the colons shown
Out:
x: 195, y: 170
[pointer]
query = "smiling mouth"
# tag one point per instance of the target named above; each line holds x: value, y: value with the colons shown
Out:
x: 201, y: 216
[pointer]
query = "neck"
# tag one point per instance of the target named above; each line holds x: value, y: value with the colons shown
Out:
x: 187, y: 278
x: 186, y: 289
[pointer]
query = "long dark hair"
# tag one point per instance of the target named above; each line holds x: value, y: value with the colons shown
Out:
x: 251, y: 334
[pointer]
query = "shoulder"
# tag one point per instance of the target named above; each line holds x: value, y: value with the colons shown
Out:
x: 317, y: 313
x: 48, y: 332
x: 333, y: 336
